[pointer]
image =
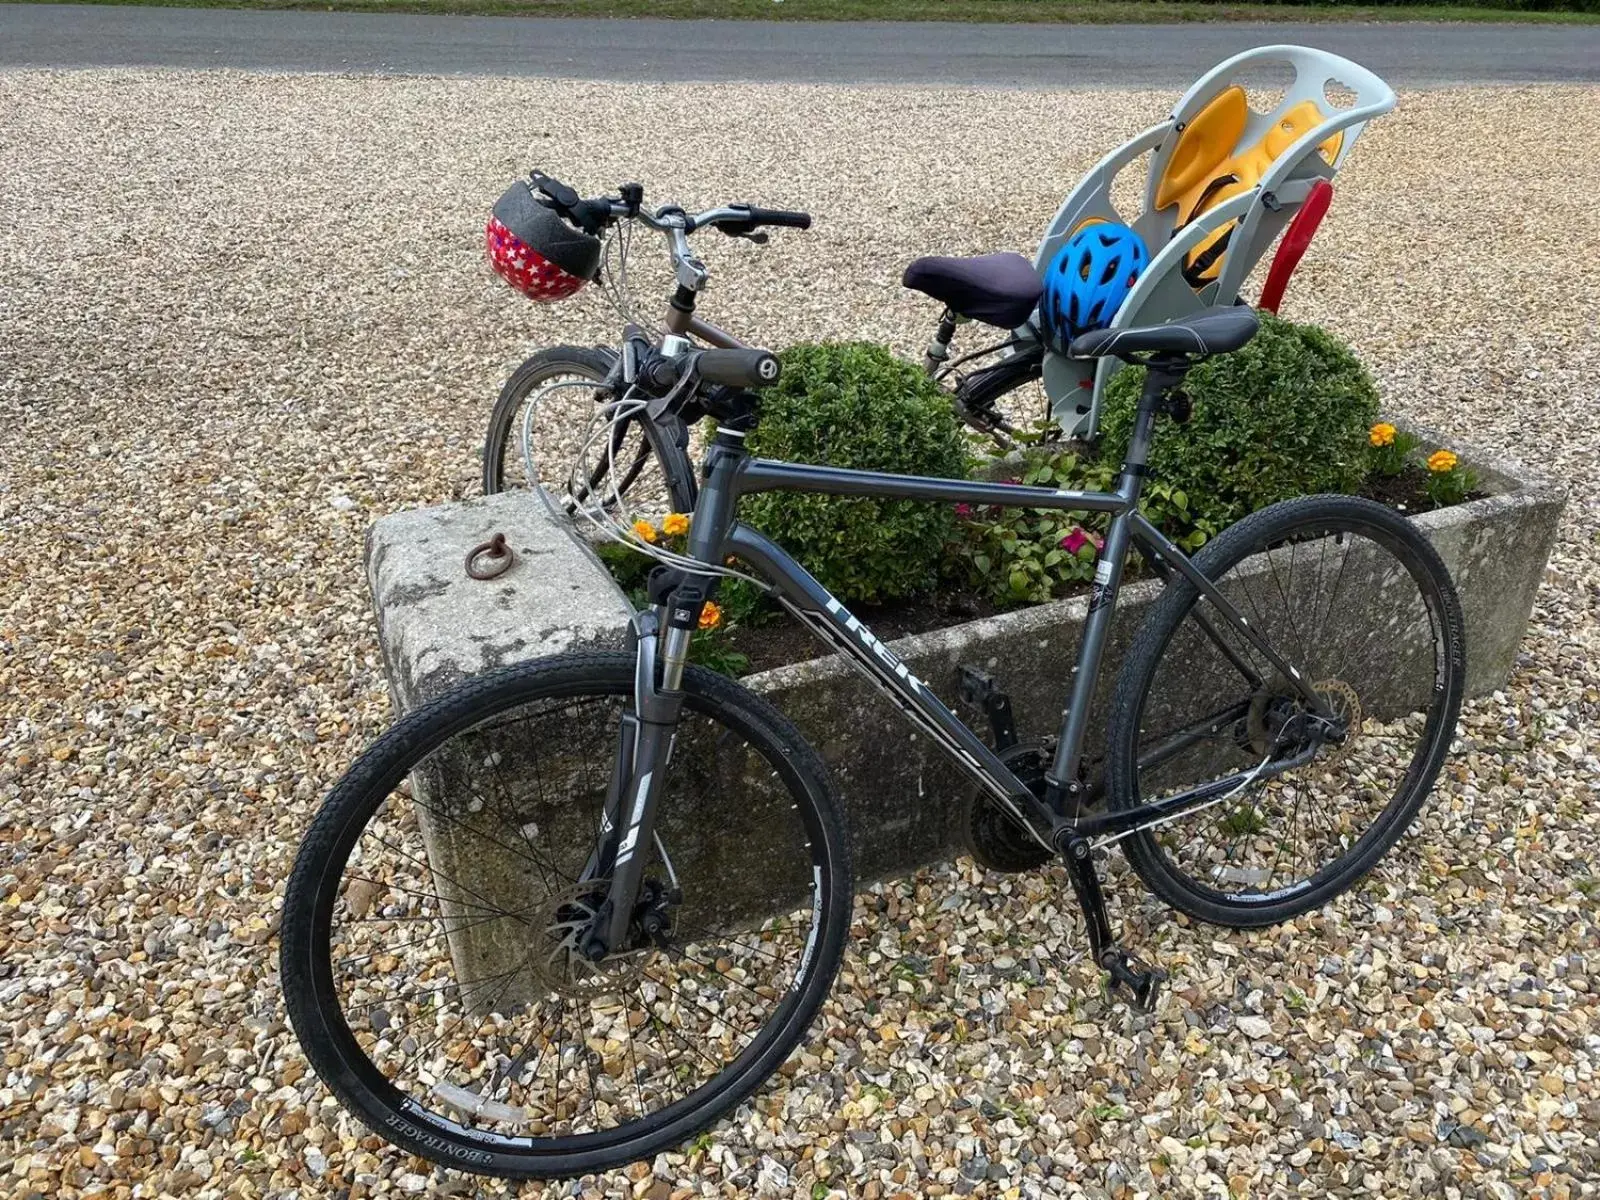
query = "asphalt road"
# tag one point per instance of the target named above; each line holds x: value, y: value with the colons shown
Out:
x: 825, y: 52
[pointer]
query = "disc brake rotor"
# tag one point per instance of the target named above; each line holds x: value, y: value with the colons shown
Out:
x: 1270, y: 709
x: 1345, y: 705
x: 558, y: 964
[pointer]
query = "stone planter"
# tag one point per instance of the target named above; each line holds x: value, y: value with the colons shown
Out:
x: 901, y: 796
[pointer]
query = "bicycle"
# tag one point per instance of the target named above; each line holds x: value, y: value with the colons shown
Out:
x: 658, y: 855
x: 999, y: 290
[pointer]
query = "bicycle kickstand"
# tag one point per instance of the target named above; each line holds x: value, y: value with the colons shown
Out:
x: 1143, y: 982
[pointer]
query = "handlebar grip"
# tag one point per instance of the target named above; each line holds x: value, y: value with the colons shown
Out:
x: 780, y: 217
x: 738, y: 368
x: 592, y: 215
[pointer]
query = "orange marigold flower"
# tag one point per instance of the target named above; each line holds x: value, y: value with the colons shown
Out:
x: 674, y: 523
x: 645, y: 530
x: 1381, y: 434
x: 710, y: 615
x: 1441, y: 461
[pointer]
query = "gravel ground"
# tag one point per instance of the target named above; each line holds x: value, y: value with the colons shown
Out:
x: 242, y: 315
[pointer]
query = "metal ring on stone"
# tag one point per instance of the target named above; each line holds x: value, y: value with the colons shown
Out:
x: 499, y: 554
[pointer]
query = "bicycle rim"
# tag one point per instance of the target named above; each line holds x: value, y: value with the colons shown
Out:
x: 439, y: 1006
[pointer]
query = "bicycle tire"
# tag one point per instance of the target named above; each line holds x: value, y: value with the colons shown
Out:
x: 590, y: 362
x: 1274, y: 526
x: 307, y: 971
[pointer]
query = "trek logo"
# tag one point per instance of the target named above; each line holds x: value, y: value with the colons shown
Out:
x: 864, y: 636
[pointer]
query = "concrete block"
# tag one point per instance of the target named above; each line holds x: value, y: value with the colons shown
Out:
x: 439, y: 627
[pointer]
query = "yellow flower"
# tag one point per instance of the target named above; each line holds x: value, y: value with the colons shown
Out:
x: 674, y: 523
x: 1441, y: 461
x: 710, y: 615
x: 1382, y: 434
x: 645, y: 530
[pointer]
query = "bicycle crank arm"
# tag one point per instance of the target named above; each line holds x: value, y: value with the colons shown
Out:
x: 1125, y: 970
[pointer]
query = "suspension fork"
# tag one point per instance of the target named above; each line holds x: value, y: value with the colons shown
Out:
x: 644, y: 748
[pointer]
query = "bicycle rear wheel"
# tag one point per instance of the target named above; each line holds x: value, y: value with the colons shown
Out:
x: 428, y: 957
x: 1356, y: 599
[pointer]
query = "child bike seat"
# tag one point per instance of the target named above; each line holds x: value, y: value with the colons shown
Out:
x: 997, y: 289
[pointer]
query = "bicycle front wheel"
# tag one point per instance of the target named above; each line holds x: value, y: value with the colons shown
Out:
x: 429, y: 961
x: 1355, y: 599
x: 541, y: 418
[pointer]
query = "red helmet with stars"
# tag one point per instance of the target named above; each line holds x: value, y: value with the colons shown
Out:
x: 535, y: 251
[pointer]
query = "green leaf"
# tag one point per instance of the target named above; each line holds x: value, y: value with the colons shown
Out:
x: 981, y: 561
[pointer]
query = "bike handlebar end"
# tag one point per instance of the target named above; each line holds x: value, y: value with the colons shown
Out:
x: 748, y: 369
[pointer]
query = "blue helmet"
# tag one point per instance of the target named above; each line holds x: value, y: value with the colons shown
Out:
x: 1089, y: 278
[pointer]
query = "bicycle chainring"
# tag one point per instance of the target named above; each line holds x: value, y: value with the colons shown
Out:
x: 991, y: 835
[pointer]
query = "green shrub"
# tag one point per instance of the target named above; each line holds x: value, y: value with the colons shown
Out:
x: 854, y: 404
x: 1288, y: 415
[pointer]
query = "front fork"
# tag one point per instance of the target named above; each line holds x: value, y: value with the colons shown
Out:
x: 644, y: 749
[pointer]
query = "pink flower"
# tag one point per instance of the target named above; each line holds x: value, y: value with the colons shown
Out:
x: 964, y: 511
x: 1075, y: 541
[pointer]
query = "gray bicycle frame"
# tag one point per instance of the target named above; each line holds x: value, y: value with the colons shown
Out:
x: 731, y: 473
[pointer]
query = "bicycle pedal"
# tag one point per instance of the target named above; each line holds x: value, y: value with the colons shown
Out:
x: 1143, y: 982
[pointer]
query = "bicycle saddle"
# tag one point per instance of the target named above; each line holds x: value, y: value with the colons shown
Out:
x: 997, y: 289
x: 1213, y: 331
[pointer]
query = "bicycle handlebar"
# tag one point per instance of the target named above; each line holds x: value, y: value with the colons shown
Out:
x: 599, y: 212
x: 754, y: 218
x: 745, y: 369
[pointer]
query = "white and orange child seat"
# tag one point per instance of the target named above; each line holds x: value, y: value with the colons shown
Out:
x: 1224, y: 181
